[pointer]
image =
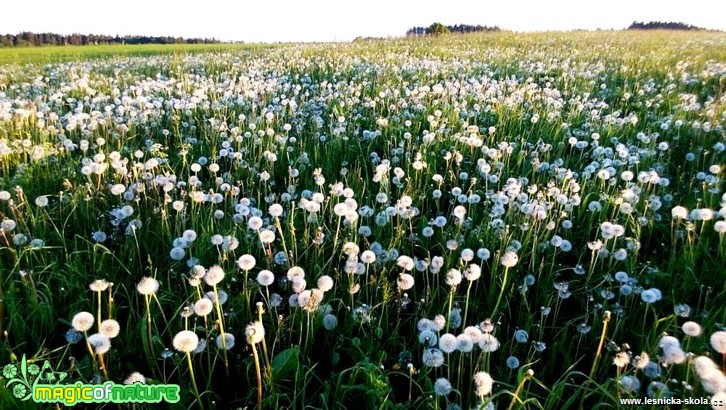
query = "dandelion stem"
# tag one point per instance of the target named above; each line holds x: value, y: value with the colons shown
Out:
x: 259, y: 377
x: 110, y: 301
x: 148, y: 327
x: 194, y: 381
x: 605, y: 322
x: 102, y: 363
x: 260, y: 311
x: 99, y: 308
x: 466, y: 304
x: 501, y: 291
x: 221, y: 328
x: 515, y: 396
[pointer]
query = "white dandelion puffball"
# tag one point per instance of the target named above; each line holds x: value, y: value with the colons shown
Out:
x: 483, y: 383
x: 255, y: 332
x: 109, y: 328
x: 488, y: 343
x: 185, y: 341
x: 692, y: 329
x: 255, y: 223
x: 41, y: 201
x: 226, y: 343
x: 135, y: 377
x: 448, y: 343
x: 147, y: 286
x: 472, y: 272
x: 275, y: 210
x: 203, y: 306
x: 214, y: 275
x: 453, y: 277
x: 368, y: 257
x: 325, y: 283
x: 267, y: 236
x: 405, y: 281
x: 246, y: 262
x: 718, y: 341
x: 295, y: 272
x: 433, y: 357
x: 405, y: 262
x: 99, y: 285
x: 442, y: 387
x: 509, y: 259
x: 100, y: 343
x: 265, y: 278
x: 679, y: 212
x: 465, y: 344
x: 82, y: 321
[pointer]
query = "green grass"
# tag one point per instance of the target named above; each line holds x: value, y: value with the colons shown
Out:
x: 57, y: 54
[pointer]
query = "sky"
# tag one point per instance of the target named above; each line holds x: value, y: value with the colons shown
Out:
x: 342, y: 20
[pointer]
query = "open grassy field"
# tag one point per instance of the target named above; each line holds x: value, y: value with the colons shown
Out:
x: 514, y: 221
x: 58, y: 54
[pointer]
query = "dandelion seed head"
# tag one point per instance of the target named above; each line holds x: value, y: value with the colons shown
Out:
x: 692, y: 329
x: 447, y: 343
x: 453, y: 277
x: 214, y: 276
x: 718, y: 341
x: 246, y: 262
x: 464, y: 343
x: 185, y: 341
x: 82, y: 321
x: 483, y: 384
x: 433, y: 357
x: 226, y: 343
x: 99, y: 285
x: 521, y: 336
x: 109, y: 328
x: 203, y: 307
x: 668, y: 341
x: 442, y: 387
x: 330, y: 321
x: 405, y: 281
x: 100, y: 343
x: 509, y: 259
x: 147, y: 286
x: 255, y: 332
x: 652, y: 370
x: 703, y: 364
x: 73, y: 336
x: 641, y: 361
x: 488, y: 343
x: 630, y: 384
x: 135, y: 377
x: 265, y: 278
x: 621, y: 359
x: 673, y: 355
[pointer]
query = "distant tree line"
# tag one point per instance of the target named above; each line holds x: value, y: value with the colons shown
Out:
x: 662, y: 25
x: 438, y: 28
x: 27, y: 39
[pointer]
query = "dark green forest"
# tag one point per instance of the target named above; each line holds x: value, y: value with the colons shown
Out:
x: 28, y: 39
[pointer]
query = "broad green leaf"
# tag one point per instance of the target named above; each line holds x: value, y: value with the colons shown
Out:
x: 285, y: 362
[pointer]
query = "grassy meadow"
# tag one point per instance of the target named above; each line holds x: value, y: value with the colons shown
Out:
x: 57, y: 54
x: 509, y: 221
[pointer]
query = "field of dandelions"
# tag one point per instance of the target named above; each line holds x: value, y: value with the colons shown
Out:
x: 500, y: 221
